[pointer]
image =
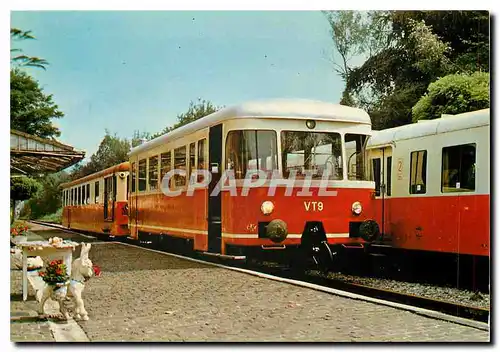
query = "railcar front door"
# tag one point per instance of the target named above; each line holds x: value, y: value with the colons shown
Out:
x: 214, y: 203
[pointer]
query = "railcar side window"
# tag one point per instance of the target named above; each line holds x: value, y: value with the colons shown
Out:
x: 389, y: 175
x: 88, y: 193
x: 192, y: 161
x: 83, y: 194
x: 165, y: 164
x: 459, y: 168
x: 418, y: 172
x: 96, y: 192
x: 180, y: 164
x: 133, y: 178
x: 376, y: 174
x: 142, y: 175
x: 153, y: 173
x: 314, y: 153
x: 79, y: 195
x: 202, y: 161
x: 355, y: 153
x: 251, y: 150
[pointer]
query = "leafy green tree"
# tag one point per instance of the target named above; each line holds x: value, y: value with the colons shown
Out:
x: 195, y: 111
x: 421, y: 47
x: 112, y: 151
x: 454, y: 94
x: 31, y: 110
x: 22, y: 188
x: 49, y: 199
x: 21, y: 60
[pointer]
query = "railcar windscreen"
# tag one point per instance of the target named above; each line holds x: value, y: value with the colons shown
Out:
x: 315, y: 153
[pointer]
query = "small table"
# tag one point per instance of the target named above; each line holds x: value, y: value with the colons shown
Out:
x: 43, y: 248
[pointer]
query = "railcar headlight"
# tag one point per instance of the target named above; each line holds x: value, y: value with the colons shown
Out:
x: 267, y: 207
x: 356, y: 208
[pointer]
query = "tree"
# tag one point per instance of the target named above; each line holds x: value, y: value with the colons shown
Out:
x: 112, y: 151
x: 195, y: 111
x: 22, y: 188
x: 422, y: 46
x: 454, y: 94
x: 31, y: 110
x: 22, y: 60
x: 48, y: 199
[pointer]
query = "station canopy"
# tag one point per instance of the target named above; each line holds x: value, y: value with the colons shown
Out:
x: 33, y: 155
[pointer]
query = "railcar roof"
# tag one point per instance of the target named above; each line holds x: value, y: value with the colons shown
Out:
x: 113, y: 169
x: 446, y: 123
x: 273, y: 108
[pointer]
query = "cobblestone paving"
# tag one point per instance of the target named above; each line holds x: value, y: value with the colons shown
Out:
x: 147, y: 296
x: 24, y: 326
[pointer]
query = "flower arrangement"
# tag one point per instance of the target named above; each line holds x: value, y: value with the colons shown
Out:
x: 18, y: 230
x: 97, y: 270
x: 54, y: 273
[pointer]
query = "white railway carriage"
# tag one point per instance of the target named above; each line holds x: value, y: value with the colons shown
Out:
x: 273, y: 136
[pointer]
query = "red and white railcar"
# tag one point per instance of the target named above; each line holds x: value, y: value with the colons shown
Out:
x: 97, y: 203
x: 273, y: 136
x: 432, y: 184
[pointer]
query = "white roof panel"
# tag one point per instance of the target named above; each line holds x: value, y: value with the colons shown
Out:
x: 273, y: 108
x: 444, y: 124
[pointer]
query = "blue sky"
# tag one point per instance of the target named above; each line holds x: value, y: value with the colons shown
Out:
x: 128, y: 71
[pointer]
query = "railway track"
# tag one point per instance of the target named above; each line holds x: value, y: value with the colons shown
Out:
x: 446, y: 307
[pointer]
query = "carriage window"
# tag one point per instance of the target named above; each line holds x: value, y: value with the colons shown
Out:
x: 418, y: 162
x: 251, y: 150
x: 202, y: 165
x: 315, y: 153
x: 459, y: 168
x: 79, y: 195
x: 142, y: 175
x: 96, y: 192
x: 133, y: 177
x: 180, y: 164
x: 389, y: 174
x: 376, y: 175
x: 88, y: 193
x: 192, y: 156
x: 355, y: 153
x: 165, y: 164
x: 75, y: 198
x: 83, y: 194
x: 153, y: 173
x: 63, y: 197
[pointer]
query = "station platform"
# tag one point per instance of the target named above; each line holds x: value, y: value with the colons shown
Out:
x: 144, y: 295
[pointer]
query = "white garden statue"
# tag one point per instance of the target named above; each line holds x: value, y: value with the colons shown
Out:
x: 81, y: 270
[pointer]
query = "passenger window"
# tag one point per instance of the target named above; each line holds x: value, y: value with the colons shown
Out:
x: 459, y: 168
x: 153, y: 173
x: 180, y: 164
x: 88, y: 193
x: 165, y: 165
x: 192, y: 161
x: 418, y: 172
x: 202, y: 165
x: 142, y: 175
x: 96, y: 192
x: 389, y: 175
x: 376, y: 175
x: 251, y: 150
x: 133, y: 178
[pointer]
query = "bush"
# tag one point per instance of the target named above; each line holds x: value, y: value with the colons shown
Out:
x: 54, y: 218
x: 454, y: 94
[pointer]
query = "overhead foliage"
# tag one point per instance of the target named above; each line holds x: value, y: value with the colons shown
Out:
x: 419, y: 47
x: 454, y: 94
x: 17, y: 58
x: 31, y: 110
x: 112, y: 151
x: 195, y: 111
x: 23, y: 188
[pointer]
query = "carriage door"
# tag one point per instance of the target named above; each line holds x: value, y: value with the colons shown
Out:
x: 381, y: 170
x: 214, y: 203
x: 109, y: 197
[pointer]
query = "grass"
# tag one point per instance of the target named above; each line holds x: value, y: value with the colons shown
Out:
x: 55, y: 218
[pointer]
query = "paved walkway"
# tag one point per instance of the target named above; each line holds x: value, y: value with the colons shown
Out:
x: 148, y: 296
